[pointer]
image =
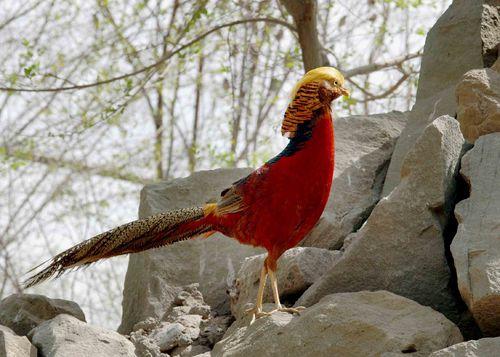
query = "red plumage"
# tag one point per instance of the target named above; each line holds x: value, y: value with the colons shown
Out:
x: 283, y: 199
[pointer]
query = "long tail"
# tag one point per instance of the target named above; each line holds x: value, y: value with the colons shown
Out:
x: 152, y: 232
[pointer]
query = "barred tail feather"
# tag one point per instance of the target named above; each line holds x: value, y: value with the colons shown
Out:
x: 152, y: 232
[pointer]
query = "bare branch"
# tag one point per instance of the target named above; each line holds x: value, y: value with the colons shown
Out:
x: 373, y: 67
x: 20, y: 14
x: 115, y: 173
x: 371, y: 97
x: 163, y: 59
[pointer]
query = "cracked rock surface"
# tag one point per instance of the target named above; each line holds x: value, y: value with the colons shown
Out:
x: 188, y: 329
x: 476, y: 246
x: 346, y: 324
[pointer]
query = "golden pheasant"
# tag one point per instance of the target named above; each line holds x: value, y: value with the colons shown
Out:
x: 274, y: 207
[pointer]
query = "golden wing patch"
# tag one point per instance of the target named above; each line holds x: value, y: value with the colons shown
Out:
x: 231, y: 200
x: 301, y: 109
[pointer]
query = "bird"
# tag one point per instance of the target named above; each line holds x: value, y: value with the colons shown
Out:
x: 274, y: 207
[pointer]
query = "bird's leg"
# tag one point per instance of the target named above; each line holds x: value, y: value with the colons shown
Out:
x: 256, y: 311
x: 274, y: 287
x: 262, y: 285
x: 276, y: 295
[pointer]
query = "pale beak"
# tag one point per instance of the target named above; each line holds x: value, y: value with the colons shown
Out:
x: 344, y: 92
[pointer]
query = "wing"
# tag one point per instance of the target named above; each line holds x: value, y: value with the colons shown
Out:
x: 231, y: 200
x: 301, y: 109
x: 240, y: 195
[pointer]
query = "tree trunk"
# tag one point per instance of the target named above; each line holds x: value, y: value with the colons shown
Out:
x: 196, y: 119
x: 304, y: 13
x: 158, y: 120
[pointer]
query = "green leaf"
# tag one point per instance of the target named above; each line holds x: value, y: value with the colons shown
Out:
x: 104, y: 204
x: 30, y: 71
x: 17, y: 164
x: 128, y: 85
x: 86, y: 121
x: 13, y: 78
x: 420, y: 31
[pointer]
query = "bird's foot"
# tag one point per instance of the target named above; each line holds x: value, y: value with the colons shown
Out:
x: 256, y: 312
x: 290, y: 310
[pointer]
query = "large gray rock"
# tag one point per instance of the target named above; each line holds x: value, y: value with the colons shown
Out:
x: 12, y: 345
x: 485, y: 347
x: 478, y: 96
x: 400, y: 248
x: 349, y: 324
x: 191, y: 351
x: 363, y: 149
x: 476, y: 246
x: 462, y: 39
x: 65, y: 336
x: 154, y: 277
x: 23, y: 312
x: 490, y: 32
x: 7, y: 329
x: 496, y: 65
x: 298, y: 268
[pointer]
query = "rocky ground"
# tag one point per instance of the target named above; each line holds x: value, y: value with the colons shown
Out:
x: 405, y: 259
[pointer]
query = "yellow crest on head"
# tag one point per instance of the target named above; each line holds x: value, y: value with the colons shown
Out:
x: 316, y: 74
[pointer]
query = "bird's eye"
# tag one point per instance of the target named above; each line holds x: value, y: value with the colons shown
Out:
x: 336, y: 83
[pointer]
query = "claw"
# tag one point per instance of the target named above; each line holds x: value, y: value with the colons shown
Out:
x: 262, y: 314
x: 251, y: 310
x: 256, y: 313
x: 290, y: 310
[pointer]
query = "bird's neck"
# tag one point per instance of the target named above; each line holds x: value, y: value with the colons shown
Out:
x: 319, y: 147
x: 314, y: 137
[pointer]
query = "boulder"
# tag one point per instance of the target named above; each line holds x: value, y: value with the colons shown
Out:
x: 462, y: 39
x: 400, y: 247
x: 154, y: 277
x: 190, y: 351
x: 145, y: 346
x: 476, y: 246
x: 23, y: 312
x: 65, y: 335
x: 12, y: 345
x: 181, y: 333
x: 496, y: 65
x: 363, y: 149
x: 6, y: 329
x: 485, y: 347
x: 189, y: 302
x: 298, y: 268
x: 189, y: 328
x: 478, y: 96
x: 347, y: 324
x: 490, y: 32
x: 213, y: 329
